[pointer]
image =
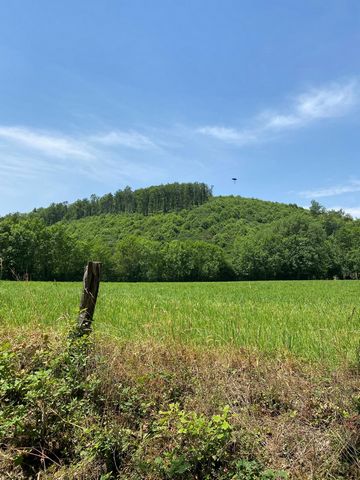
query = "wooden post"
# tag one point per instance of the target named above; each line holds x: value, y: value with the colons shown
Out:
x: 91, y: 282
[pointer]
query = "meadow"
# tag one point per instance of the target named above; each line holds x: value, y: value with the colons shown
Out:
x: 313, y: 320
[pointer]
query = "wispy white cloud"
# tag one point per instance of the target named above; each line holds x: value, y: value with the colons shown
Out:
x: 129, y: 139
x: 331, y: 101
x: 31, y: 153
x: 327, y: 102
x: 231, y: 135
x: 51, y: 144
x: 67, y: 146
x: 351, y: 187
x: 24, y: 149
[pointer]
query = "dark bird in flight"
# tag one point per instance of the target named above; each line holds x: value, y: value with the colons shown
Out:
x: 234, y: 179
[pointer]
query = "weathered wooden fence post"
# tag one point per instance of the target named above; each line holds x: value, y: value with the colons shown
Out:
x: 91, y: 282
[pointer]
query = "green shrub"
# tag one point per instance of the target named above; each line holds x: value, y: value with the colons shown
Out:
x: 49, y: 408
x: 58, y: 417
x: 246, y: 470
x: 196, y: 445
x: 192, y: 445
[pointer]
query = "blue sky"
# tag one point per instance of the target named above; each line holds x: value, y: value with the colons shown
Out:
x: 99, y: 94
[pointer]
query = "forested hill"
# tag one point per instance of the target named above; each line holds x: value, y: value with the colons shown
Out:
x: 193, y: 237
x: 171, y: 197
x: 220, y: 221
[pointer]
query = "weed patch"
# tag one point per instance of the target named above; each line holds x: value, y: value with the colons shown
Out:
x: 60, y: 418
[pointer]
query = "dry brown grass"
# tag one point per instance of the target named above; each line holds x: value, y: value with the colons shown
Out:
x: 301, y: 417
x: 302, y: 414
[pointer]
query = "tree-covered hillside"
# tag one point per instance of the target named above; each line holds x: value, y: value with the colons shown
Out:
x: 220, y: 221
x: 195, y: 237
x: 162, y: 198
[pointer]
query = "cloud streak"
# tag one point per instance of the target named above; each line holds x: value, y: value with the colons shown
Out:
x: 31, y: 153
x: 50, y: 144
x: 351, y: 187
x: 59, y: 145
x: 129, y: 139
x: 331, y: 101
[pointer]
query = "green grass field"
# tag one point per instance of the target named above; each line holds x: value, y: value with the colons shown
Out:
x: 316, y: 320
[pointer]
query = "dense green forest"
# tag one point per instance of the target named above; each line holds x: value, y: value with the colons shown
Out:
x: 180, y: 232
x: 162, y: 198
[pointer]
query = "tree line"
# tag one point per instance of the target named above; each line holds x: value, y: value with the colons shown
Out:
x: 171, y: 197
x: 226, y: 238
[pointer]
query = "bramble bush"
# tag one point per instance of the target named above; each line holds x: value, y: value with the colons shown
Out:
x: 57, y: 420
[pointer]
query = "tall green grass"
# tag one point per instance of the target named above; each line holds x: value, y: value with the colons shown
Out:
x: 316, y: 320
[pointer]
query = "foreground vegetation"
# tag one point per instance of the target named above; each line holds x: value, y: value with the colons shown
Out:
x: 315, y: 320
x: 180, y: 381
x: 180, y: 232
x: 81, y: 409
